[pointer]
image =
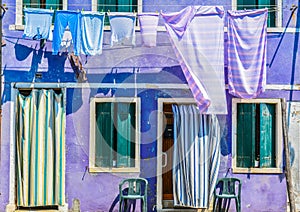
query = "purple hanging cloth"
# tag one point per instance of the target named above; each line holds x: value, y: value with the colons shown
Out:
x: 247, y: 48
x: 197, y: 37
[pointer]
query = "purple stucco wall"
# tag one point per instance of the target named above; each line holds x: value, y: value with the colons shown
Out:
x: 98, y: 192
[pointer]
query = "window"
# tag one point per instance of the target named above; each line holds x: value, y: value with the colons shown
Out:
x: 114, y: 145
x: 44, y: 4
x: 117, y: 5
x: 257, y: 135
x: 273, y: 6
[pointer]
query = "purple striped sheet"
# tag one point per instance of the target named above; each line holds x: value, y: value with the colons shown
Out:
x: 247, y: 46
x: 197, y: 37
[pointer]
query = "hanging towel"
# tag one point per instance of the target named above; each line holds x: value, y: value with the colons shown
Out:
x: 92, y: 25
x: 64, y: 18
x: 148, y: 24
x: 247, y: 48
x: 197, y: 37
x: 37, y: 23
x: 122, y: 28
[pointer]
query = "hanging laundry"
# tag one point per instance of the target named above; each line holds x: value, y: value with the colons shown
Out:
x: 37, y: 23
x: 77, y: 67
x: 92, y: 25
x: 247, y: 48
x: 197, y: 37
x: 64, y: 18
x: 122, y: 28
x: 66, y: 44
x: 148, y: 24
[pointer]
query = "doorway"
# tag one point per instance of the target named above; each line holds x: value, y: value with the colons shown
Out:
x: 165, y: 143
x: 167, y: 148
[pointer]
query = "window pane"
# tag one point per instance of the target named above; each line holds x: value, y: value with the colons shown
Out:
x: 245, y: 135
x: 267, y: 135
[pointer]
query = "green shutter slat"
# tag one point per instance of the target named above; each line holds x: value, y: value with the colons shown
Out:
x: 245, y: 135
x: 104, y: 135
x: 267, y: 135
x: 125, y: 6
x: 124, y: 135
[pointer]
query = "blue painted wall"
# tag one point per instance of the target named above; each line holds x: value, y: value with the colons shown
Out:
x: 23, y: 58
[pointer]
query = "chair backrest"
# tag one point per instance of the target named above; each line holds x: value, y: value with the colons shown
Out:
x: 135, y: 186
x: 229, y: 186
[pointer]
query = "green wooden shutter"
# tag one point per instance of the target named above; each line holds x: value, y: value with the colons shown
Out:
x: 246, y: 4
x: 53, y: 4
x: 246, y: 135
x: 104, y: 134
x: 267, y: 135
x: 125, y: 135
x: 107, y: 5
x: 271, y: 5
x: 125, y: 6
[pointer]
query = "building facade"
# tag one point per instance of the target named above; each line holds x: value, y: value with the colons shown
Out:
x: 141, y: 84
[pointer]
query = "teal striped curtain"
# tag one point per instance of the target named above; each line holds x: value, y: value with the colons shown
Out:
x: 196, y: 157
x: 40, y: 143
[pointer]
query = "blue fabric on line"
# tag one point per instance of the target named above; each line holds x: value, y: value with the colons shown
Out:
x: 64, y: 18
x: 92, y: 25
x: 37, y: 23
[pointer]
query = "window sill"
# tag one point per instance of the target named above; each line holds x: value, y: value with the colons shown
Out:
x: 257, y: 170
x: 113, y: 170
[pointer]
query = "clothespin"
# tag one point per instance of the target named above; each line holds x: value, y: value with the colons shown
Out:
x: 50, y: 8
x: 82, y: 9
x: 102, y: 10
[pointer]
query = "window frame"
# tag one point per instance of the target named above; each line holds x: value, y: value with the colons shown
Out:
x: 19, y: 11
x: 92, y: 160
x: 278, y: 14
x: 278, y: 137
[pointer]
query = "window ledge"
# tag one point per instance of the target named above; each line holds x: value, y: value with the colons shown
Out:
x: 258, y: 170
x: 113, y: 170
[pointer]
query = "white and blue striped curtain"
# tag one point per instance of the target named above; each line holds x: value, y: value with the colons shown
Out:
x: 40, y: 143
x: 196, y: 156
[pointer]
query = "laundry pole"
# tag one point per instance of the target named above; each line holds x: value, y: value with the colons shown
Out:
x: 287, y: 170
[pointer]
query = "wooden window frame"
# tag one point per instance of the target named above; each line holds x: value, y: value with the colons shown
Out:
x: 278, y: 137
x: 92, y: 159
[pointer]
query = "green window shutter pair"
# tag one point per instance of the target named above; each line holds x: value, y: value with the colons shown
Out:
x: 115, y: 135
x: 255, y: 123
x: 259, y: 4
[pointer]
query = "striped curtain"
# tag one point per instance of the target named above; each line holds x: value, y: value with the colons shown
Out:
x: 40, y: 143
x: 196, y: 156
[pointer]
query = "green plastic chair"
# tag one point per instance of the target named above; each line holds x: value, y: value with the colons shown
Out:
x: 227, y: 189
x: 136, y: 189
